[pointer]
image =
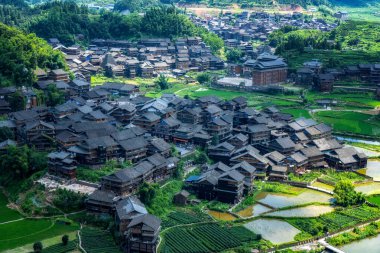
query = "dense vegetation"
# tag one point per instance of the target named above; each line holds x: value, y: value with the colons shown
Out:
x: 19, y: 163
x: 64, y: 20
x: 352, y: 42
x: 345, y: 194
x: 21, y: 54
x: 135, y: 5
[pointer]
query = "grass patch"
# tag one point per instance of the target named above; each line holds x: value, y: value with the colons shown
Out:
x: 374, y: 199
x: 277, y: 188
x: 297, y: 113
x: 306, y: 178
x: 352, y: 122
x: 26, y: 231
x: 49, y: 244
x: 7, y: 214
x: 334, y: 176
x: 218, y: 206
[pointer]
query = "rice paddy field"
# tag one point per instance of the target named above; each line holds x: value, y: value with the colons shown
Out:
x: 275, y: 231
x: 351, y: 122
x: 19, y: 233
x: 7, y: 214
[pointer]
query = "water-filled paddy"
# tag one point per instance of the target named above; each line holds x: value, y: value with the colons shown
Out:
x: 372, y: 170
x: 277, y: 200
x: 369, y: 245
x: 253, y: 211
x: 221, y: 216
x: 306, y: 211
x: 276, y: 231
x: 368, y: 188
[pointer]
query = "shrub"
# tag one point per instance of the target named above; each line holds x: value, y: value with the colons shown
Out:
x: 37, y: 246
x: 65, y: 239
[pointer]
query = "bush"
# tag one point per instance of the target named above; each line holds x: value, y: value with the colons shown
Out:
x: 68, y: 201
x: 345, y: 194
x: 37, y: 247
x: 65, y: 239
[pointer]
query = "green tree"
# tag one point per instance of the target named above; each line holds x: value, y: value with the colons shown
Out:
x: 15, y: 162
x: 345, y: 194
x: 201, y: 158
x: 54, y: 96
x: 37, y: 247
x: 178, y: 172
x: 65, y: 239
x: 162, y: 82
x: 17, y: 101
x: 203, y: 78
x: 22, y: 53
x: 147, y: 192
x: 212, y: 40
x: 68, y: 201
x: 6, y: 133
x: 234, y: 55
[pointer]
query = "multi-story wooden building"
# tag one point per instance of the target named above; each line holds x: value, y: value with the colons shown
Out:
x: 269, y: 69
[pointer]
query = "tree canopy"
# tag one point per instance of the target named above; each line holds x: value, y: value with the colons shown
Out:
x: 345, y: 194
x: 21, y: 54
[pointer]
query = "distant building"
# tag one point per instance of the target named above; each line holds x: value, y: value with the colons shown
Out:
x: 324, y: 82
x: 342, y: 15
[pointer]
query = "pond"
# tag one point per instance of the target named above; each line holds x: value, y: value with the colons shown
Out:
x: 275, y: 231
x: 253, y: 211
x: 277, y: 200
x: 306, y: 211
x: 372, y: 170
x: 368, y: 188
x: 369, y: 245
x: 221, y: 215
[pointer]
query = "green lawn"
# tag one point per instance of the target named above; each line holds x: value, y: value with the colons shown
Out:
x: 297, y: 113
x: 7, y: 214
x: 26, y: 231
x: 374, y: 199
x: 352, y: 122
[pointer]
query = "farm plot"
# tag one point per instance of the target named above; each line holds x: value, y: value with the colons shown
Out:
x: 205, y: 238
x: 7, y: 214
x: 335, y: 220
x: 362, y: 213
x: 19, y: 233
x: 178, y: 217
x: 60, y: 248
x: 97, y: 241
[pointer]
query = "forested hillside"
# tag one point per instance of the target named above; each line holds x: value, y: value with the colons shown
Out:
x: 21, y: 54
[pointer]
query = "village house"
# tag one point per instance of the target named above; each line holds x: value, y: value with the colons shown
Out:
x: 269, y: 69
x: 62, y: 164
